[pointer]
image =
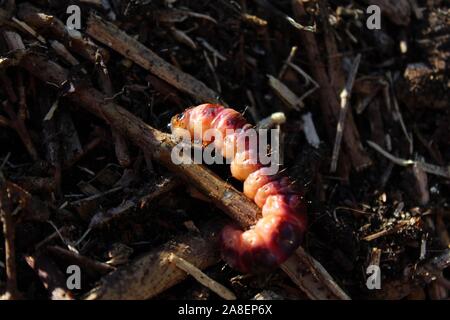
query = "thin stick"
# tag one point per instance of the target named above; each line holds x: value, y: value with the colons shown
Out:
x: 213, y: 71
x: 9, y: 232
x: 345, y: 101
x: 429, y: 168
x: 401, y: 224
x: 80, y: 260
x: 201, y: 277
x: 54, y: 28
x: 397, y: 113
x: 286, y: 95
x: 23, y: 107
x: 394, y: 159
x: 291, y: 56
x: 210, y: 48
x: 308, y: 79
x: 120, y: 143
x: 317, y: 283
x: 15, y: 43
x: 281, y: 15
x: 29, y: 29
x: 19, y: 126
x: 132, y: 49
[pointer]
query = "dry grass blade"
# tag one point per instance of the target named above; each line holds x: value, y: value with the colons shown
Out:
x: 345, y: 101
x: 429, y: 168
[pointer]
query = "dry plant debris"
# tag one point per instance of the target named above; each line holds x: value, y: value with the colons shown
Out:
x: 86, y: 176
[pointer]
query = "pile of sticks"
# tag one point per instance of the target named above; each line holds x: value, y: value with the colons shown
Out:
x: 40, y: 45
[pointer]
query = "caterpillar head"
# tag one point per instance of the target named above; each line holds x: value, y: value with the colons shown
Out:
x: 179, y: 125
x: 179, y: 121
x: 195, y: 121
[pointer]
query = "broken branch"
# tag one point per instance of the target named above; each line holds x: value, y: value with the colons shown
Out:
x: 132, y: 49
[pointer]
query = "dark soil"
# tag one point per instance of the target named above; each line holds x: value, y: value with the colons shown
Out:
x: 406, y: 207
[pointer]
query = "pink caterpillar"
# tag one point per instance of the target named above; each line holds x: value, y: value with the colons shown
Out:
x: 281, y: 229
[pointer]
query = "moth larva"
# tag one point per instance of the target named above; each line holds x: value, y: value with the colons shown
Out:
x: 281, y: 229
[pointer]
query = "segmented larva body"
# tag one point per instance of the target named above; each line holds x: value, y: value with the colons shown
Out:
x: 283, y: 224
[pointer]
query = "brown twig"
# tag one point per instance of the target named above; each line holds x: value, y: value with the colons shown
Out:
x: 289, y: 59
x: 17, y: 121
x: 9, y: 232
x: 202, y: 278
x: 51, y: 138
x: 120, y: 144
x: 132, y: 49
x: 23, y: 107
x: 91, y: 145
x: 51, y: 26
x: 282, y: 17
x: 103, y: 217
x: 80, y: 260
x: 429, y: 168
x: 7, y: 87
x: 345, y: 101
x: 19, y: 126
x: 334, y: 58
x: 37, y: 184
x: 32, y: 207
